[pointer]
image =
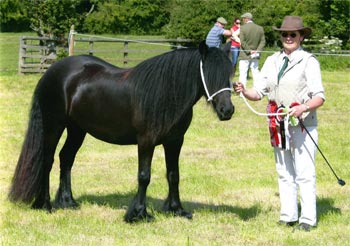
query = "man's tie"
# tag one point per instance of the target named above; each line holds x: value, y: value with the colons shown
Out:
x: 284, y: 66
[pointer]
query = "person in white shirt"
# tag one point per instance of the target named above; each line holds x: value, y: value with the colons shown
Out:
x: 291, y: 79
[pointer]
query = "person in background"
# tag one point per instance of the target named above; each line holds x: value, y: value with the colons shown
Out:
x: 291, y: 79
x: 216, y: 33
x: 252, y: 38
x: 235, y: 42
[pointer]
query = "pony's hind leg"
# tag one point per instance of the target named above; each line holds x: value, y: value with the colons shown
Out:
x: 173, y: 204
x: 52, y: 135
x: 75, y: 137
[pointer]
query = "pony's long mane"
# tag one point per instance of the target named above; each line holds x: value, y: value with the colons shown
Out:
x: 167, y: 86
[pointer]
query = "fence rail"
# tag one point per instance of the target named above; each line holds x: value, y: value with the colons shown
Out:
x: 36, y: 54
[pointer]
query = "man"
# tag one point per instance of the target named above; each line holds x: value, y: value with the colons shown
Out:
x: 252, y: 42
x: 214, y: 37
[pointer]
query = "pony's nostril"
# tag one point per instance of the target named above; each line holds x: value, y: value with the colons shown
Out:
x: 226, y: 112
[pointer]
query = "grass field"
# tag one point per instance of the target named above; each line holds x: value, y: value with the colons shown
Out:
x: 228, y: 179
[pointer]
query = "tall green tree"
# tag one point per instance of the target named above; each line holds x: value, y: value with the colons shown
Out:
x: 128, y: 17
x: 193, y: 19
x: 53, y: 18
x: 13, y: 16
x: 335, y: 20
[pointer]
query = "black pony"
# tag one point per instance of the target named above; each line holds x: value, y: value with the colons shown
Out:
x: 148, y: 105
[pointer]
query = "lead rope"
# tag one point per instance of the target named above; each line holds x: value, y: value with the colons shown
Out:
x: 257, y: 113
x: 210, y: 98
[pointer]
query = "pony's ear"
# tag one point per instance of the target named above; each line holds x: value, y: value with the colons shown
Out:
x: 203, y: 49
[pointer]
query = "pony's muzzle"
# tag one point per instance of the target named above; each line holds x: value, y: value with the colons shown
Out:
x: 225, y: 111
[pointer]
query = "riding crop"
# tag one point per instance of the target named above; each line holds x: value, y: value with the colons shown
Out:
x: 340, y: 181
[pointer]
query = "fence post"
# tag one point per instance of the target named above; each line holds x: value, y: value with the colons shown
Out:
x: 126, y: 48
x: 22, y: 53
x: 91, y: 47
x: 71, y: 41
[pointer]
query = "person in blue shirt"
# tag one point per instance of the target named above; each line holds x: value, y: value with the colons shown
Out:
x: 216, y: 33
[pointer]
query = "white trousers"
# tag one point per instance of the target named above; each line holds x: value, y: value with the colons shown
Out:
x: 296, y: 170
x: 244, y: 66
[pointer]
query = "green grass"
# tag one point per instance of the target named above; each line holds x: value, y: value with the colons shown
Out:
x: 228, y: 179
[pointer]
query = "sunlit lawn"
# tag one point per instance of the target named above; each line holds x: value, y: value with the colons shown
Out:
x: 228, y: 180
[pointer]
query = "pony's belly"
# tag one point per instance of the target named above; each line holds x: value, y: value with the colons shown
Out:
x: 103, y: 117
x: 111, y: 129
x: 117, y: 139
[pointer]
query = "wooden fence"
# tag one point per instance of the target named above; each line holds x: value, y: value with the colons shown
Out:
x: 36, y: 54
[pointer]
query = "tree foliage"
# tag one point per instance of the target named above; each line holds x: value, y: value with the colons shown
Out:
x: 335, y: 19
x: 193, y: 19
x: 53, y: 18
x: 128, y: 17
x: 13, y: 16
x: 172, y: 18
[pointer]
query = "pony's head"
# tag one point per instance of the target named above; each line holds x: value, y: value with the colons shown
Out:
x: 216, y: 70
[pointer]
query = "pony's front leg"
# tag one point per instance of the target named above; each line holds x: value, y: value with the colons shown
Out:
x: 172, y: 203
x: 137, y: 210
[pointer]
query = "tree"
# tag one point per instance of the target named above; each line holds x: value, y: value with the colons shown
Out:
x: 128, y: 17
x: 174, y: 18
x: 193, y: 19
x: 335, y: 20
x: 53, y: 19
x: 13, y: 16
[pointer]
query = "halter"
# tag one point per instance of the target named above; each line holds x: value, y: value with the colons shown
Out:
x: 210, y: 97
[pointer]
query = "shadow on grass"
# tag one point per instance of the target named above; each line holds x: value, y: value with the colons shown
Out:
x: 121, y: 201
x: 325, y: 206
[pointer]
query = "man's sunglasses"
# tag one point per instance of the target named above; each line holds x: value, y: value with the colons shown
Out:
x: 286, y: 34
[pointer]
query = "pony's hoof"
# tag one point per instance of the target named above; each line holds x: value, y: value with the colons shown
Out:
x: 42, y: 205
x: 66, y: 203
x: 183, y: 213
x: 144, y: 217
x: 177, y: 211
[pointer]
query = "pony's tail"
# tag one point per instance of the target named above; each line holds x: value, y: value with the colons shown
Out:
x: 29, y: 171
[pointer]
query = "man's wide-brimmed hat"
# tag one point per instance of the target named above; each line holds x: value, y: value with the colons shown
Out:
x: 222, y: 20
x: 293, y: 23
